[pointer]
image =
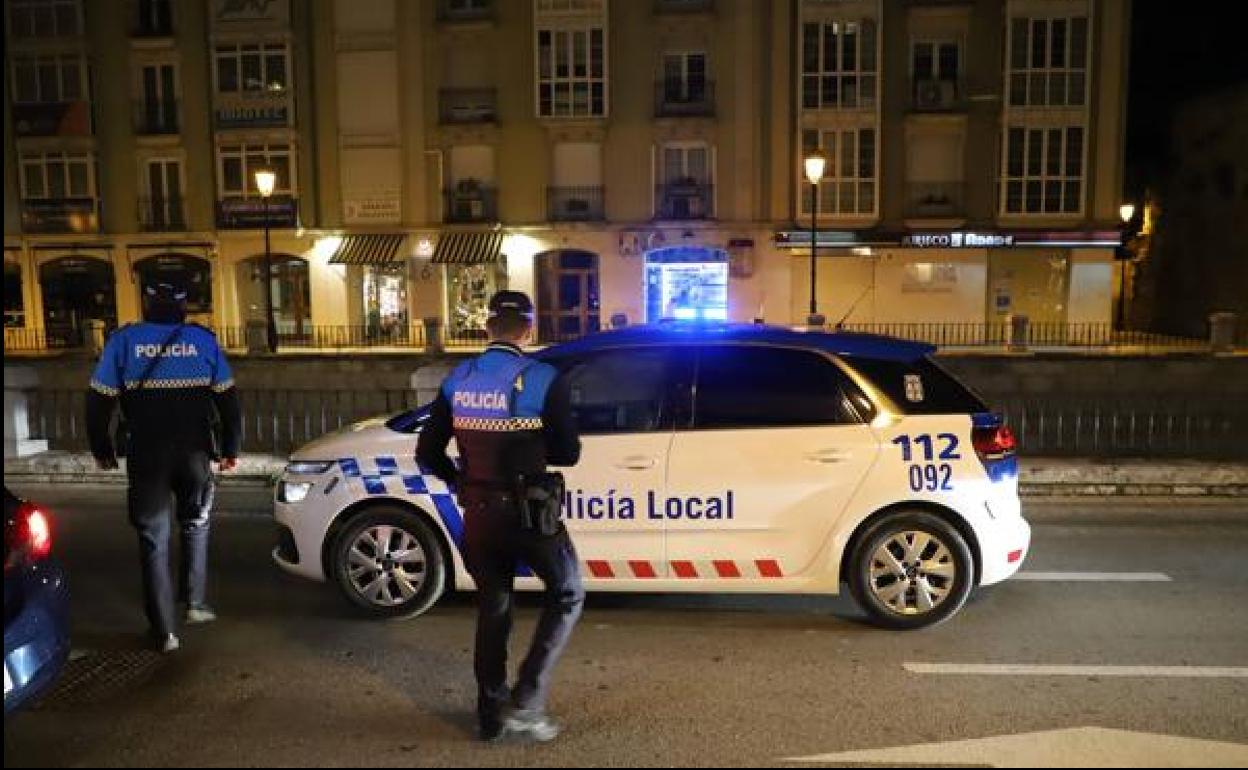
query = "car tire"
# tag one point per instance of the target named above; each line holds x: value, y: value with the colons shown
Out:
x: 380, y: 578
x: 927, y: 580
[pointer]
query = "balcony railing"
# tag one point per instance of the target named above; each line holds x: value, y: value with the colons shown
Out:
x: 684, y: 6
x: 151, y: 18
x: 61, y: 215
x: 466, y: 204
x: 467, y: 105
x: 938, y: 96
x: 684, y: 200
x: 935, y: 200
x: 465, y: 10
x: 684, y: 99
x: 575, y: 204
x: 156, y: 118
x: 162, y: 215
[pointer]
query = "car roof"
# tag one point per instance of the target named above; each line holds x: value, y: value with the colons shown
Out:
x: 839, y: 343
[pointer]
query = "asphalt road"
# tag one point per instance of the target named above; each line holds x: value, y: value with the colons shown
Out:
x: 290, y: 676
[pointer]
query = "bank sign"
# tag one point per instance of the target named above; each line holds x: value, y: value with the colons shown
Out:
x: 957, y: 240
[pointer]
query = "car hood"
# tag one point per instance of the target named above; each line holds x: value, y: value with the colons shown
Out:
x: 368, y: 438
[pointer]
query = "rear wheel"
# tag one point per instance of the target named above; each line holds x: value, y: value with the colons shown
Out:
x: 911, y: 570
x: 388, y: 562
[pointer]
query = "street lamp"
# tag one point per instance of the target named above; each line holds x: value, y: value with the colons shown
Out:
x: 815, y: 163
x: 266, y: 180
x: 1127, y: 212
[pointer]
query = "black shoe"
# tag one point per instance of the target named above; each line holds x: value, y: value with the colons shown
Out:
x: 491, y: 730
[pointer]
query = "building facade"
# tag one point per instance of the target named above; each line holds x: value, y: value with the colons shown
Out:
x: 622, y: 161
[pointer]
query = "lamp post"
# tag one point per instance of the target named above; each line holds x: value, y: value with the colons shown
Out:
x: 266, y: 180
x: 815, y: 163
x: 1127, y: 212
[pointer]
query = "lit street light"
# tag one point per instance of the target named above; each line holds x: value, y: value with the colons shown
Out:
x: 1127, y: 212
x: 266, y: 181
x: 815, y: 164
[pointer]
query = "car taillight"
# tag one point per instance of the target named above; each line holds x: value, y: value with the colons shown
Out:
x: 995, y: 446
x: 33, y: 533
x: 994, y: 443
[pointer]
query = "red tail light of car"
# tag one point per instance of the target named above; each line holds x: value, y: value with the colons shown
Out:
x: 31, y: 535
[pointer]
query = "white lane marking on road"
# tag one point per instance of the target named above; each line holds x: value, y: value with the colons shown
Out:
x: 1074, y: 747
x: 1023, y: 669
x: 1095, y: 577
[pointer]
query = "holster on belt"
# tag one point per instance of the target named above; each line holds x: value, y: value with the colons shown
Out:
x: 540, y: 499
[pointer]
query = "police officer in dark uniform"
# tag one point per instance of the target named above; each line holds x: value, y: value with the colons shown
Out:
x: 173, y: 385
x: 511, y: 417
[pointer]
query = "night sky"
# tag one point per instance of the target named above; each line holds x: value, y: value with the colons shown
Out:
x: 1177, y: 50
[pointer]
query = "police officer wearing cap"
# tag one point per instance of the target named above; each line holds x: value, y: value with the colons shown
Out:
x: 511, y: 417
x: 173, y: 386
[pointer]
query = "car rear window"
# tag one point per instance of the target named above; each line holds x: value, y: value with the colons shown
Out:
x: 919, y: 387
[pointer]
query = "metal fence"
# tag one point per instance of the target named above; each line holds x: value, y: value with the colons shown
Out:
x: 338, y: 337
x: 278, y: 421
x: 1037, y: 335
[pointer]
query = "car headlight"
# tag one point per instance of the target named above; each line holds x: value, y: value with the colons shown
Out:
x: 309, y: 467
x: 293, y: 492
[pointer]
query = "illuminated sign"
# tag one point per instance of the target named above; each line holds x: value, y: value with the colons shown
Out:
x: 957, y: 240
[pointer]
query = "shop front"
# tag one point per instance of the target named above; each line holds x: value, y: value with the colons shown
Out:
x: 686, y: 283
x: 76, y: 289
x: 290, y: 289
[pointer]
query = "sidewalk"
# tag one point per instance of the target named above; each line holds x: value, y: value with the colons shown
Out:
x: 1038, y: 477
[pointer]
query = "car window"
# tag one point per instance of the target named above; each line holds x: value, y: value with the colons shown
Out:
x: 623, y: 390
x: 742, y: 386
x: 919, y: 387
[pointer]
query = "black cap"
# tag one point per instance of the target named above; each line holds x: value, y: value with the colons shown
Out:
x: 166, y: 292
x: 510, y: 303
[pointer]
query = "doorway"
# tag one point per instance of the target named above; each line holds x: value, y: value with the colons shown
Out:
x: 568, y: 296
x: 76, y: 290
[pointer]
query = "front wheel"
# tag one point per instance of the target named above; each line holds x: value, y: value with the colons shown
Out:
x: 389, y: 563
x: 911, y: 570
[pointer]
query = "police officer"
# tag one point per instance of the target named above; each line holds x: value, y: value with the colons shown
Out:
x: 173, y: 385
x: 511, y: 416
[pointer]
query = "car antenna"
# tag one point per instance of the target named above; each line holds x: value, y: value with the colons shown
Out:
x: 841, y: 323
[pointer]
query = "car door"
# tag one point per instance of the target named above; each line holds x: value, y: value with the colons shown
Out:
x: 624, y: 406
x: 774, y: 453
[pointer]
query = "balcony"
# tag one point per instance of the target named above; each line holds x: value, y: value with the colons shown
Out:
x: 469, y: 202
x: 60, y: 215
x: 162, y: 215
x: 460, y: 11
x: 684, y: 6
x: 938, y: 96
x: 684, y: 200
x: 575, y: 204
x: 156, y: 118
x: 684, y: 99
x: 151, y: 18
x: 466, y: 106
x: 936, y: 200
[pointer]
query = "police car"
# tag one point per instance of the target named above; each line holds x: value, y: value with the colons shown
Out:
x: 735, y: 459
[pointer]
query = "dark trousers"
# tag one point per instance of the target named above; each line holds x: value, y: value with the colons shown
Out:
x: 161, y: 480
x: 495, y: 546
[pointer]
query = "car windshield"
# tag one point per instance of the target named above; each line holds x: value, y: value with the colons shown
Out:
x: 409, y: 421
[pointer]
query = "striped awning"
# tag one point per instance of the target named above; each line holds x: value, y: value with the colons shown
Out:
x: 368, y: 250
x: 468, y: 248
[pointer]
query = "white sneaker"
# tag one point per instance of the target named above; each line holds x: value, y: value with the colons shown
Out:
x: 198, y: 614
x: 168, y: 643
x: 531, y: 723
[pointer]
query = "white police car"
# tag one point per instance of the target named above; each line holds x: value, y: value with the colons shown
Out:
x: 746, y: 459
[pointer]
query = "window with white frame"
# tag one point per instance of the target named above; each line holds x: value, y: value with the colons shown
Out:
x: 237, y: 165
x: 57, y: 175
x: 1048, y: 62
x: 253, y: 68
x: 44, y: 18
x: 848, y: 186
x: 49, y: 79
x: 571, y: 72
x: 1043, y: 170
x: 839, y: 64
x: 686, y: 164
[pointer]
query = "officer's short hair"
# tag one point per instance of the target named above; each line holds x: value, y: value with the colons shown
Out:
x: 508, y: 326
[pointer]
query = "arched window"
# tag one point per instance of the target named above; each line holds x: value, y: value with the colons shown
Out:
x: 292, y: 293
x: 76, y: 290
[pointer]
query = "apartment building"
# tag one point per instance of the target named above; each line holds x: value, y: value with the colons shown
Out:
x: 624, y: 161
